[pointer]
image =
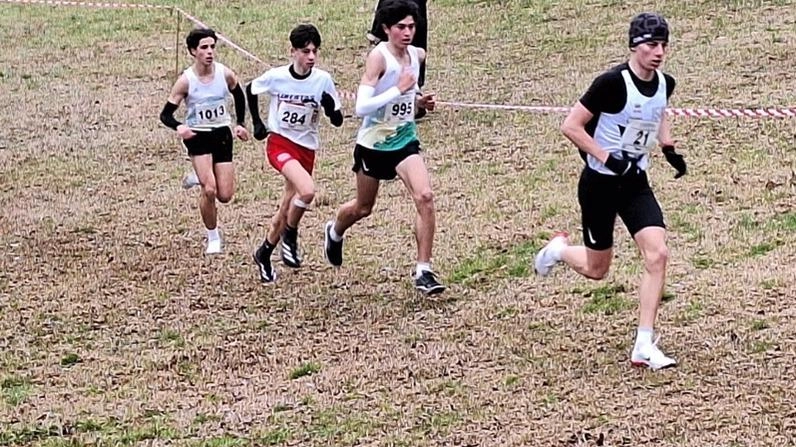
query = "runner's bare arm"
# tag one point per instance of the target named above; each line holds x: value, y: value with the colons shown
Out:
x: 574, y: 128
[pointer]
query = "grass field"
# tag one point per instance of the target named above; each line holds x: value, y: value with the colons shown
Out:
x: 115, y: 330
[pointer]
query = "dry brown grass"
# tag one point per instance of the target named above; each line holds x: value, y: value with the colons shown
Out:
x: 114, y: 330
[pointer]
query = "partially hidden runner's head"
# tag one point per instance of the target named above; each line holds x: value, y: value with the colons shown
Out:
x: 648, y: 39
x: 398, y: 19
x: 305, y: 41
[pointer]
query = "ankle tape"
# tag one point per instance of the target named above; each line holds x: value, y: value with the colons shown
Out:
x: 300, y: 204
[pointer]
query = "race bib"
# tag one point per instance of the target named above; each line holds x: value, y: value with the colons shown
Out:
x: 400, y: 109
x: 640, y: 136
x: 294, y: 117
x: 209, y: 115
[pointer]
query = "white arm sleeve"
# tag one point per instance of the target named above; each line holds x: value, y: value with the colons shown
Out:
x: 367, y: 103
x: 261, y: 84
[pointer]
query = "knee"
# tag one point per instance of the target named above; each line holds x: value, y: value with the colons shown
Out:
x: 656, y: 258
x: 305, y: 197
x: 209, y: 191
x: 424, y: 199
x: 224, y: 197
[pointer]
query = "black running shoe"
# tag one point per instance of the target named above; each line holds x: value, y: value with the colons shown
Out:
x: 332, y: 249
x: 427, y: 283
x: 263, y: 261
x: 290, y: 248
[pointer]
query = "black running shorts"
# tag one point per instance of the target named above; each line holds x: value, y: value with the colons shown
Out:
x: 602, y: 197
x: 381, y: 164
x: 217, y: 142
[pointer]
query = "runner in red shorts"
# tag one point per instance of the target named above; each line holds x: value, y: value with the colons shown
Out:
x: 297, y: 92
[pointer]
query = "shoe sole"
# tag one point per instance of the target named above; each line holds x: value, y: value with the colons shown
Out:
x: 326, y: 239
x: 643, y: 364
x: 431, y: 291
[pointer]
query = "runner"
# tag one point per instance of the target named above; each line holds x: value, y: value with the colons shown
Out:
x: 205, y: 87
x: 298, y: 92
x: 616, y: 123
x: 387, y: 142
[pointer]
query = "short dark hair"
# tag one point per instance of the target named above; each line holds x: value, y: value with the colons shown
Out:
x: 393, y: 11
x: 303, y: 35
x: 197, y: 34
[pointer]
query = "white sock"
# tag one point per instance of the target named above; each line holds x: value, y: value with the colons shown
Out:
x: 644, y: 336
x: 422, y: 267
x: 333, y: 234
x: 212, y: 235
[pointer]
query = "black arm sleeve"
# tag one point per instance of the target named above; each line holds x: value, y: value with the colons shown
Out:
x: 240, y: 104
x: 253, y: 106
x: 167, y: 115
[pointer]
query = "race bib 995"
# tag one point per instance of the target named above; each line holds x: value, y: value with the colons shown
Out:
x: 400, y: 109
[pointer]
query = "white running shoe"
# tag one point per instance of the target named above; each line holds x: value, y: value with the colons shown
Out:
x: 213, y: 247
x: 650, y: 356
x: 190, y: 180
x: 544, y: 261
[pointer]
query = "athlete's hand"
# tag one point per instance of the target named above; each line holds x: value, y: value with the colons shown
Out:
x: 260, y: 131
x: 676, y: 160
x: 242, y: 133
x: 185, y: 132
x: 427, y: 101
x: 407, y: 80
x: 621, y: 167
x: 327, y: 102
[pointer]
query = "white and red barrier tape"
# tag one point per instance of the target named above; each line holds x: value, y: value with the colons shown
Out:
x: 111, y: 5
x: 775, y: 112
x: 220, y: 37
x: 779, y: 112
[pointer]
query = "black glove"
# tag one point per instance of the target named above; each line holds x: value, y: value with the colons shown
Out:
x: 260, y: 131
x: 622, y: 167
x: 327, y: 102
x: 676, y: 160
